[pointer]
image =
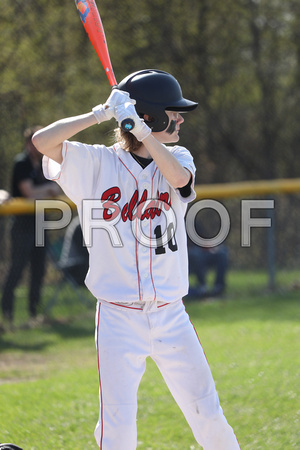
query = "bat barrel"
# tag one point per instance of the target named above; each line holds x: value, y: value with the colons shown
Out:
x: 92, y: 24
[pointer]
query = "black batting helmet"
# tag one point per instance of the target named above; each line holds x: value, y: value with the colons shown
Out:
x: 155, y: 92
x: 10, y: 447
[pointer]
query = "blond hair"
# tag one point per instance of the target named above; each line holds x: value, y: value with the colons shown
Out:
x: 127, y: 140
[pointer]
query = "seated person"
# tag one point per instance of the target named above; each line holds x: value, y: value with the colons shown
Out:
x: 201, y: 260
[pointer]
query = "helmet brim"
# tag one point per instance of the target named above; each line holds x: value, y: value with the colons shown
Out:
x: 183, y: 105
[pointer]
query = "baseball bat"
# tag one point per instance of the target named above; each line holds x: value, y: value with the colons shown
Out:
x: 91, y: 20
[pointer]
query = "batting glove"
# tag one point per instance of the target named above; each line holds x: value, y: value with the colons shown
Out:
x: 106, y: 111
x: 128, y: 111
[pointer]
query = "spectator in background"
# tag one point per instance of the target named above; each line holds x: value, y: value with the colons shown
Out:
x: 29, y: 182
x: 74, y: 260
x: 201, y: 260
x: 4, y: 197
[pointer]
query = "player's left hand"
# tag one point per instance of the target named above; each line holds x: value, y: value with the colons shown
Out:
x: 128, y: 111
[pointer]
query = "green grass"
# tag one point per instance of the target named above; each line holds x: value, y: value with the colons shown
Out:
x: 49, y: 382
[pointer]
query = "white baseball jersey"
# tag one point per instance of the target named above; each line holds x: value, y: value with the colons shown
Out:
x: 131, y: 219
x: 139, y: 256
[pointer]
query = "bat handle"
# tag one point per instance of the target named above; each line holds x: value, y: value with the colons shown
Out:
x: 126, y: 124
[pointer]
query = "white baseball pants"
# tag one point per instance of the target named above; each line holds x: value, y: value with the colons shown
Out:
x: 125, y: 338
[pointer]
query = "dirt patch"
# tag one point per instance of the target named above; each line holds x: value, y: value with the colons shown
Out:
x: 16, y: 368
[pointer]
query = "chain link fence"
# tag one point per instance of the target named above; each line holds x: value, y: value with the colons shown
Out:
x: 265, y: 260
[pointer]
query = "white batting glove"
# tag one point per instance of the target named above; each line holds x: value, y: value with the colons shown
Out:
x: 118, y: 97
x: 128, y: 111
x: 106, y: 111
x: 103, y: 112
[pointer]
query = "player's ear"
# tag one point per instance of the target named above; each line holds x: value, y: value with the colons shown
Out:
x: 148, y: 118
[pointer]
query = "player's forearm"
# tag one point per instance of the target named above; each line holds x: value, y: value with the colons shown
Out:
x: 168, y: 165
x: 49, y: 140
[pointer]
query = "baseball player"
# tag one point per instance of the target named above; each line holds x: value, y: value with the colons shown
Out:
x: 131, y: 199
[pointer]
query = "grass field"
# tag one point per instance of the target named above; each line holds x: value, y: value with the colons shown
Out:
x: 49, y: 381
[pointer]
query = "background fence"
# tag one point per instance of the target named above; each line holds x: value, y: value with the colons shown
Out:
x: 270, y: 264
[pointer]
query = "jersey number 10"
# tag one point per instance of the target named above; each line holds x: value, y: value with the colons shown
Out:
x: 172, y: 244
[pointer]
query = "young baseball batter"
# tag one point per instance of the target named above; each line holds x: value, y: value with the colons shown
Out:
x: 131, y: 199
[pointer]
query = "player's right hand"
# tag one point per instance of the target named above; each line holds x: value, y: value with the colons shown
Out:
x: 106, y: 111
x: 118, y: 97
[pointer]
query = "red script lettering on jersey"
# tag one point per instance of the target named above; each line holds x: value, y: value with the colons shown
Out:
x: 143, y: 209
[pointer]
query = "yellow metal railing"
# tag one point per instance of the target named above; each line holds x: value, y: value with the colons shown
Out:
x: 16, y: 206
x: 213, y: 191
x: 280, y: 186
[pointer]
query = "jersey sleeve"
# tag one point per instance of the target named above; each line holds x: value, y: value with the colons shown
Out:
x: 78, y: 172
x: 185, y: 158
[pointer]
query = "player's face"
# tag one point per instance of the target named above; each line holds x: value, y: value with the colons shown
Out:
x: 171, y: 133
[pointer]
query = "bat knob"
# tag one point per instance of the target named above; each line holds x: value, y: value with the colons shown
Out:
x: 127, y: 124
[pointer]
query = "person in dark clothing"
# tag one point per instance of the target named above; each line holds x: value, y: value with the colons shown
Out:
x: 29, y: 182
x: 201, y: 260
x: 74, y: 260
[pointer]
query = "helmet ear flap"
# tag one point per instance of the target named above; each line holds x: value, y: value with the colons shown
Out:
x: 157, y: 123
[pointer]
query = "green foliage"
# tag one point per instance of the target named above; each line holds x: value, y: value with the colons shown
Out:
x: 239, y: 59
